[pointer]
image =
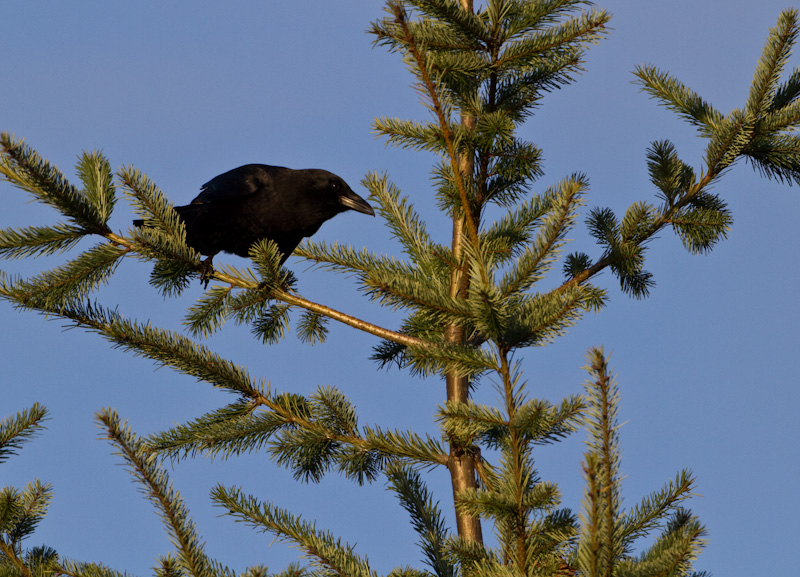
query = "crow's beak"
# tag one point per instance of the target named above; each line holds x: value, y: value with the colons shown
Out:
x: 352, y: 201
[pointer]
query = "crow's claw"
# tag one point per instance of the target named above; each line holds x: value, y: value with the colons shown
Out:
x: 206, y: 271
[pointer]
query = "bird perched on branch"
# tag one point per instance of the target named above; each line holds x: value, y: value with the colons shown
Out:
x: 256, y: 202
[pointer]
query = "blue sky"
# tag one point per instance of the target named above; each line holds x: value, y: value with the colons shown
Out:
x: 186, y: 90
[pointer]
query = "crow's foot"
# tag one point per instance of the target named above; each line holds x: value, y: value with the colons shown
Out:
x: 206, y: 271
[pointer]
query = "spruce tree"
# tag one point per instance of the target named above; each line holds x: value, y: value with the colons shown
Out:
x: 470, y: 308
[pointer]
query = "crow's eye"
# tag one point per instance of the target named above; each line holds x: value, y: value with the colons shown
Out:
x: 335, y: 186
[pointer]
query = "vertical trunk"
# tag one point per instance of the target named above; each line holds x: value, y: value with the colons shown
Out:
x: 462, y: 462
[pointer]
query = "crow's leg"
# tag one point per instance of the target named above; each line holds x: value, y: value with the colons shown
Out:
x: 206, y: 271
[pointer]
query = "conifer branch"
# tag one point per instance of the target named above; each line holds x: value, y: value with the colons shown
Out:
x: 419, y: 450
x: 534, y: 261
x: 24, y: 292
x: 405, y: 223
x: 229, y: 430
x: 165, y: 347
x: 24, y: 168
x: 64, y: 284
x: 33, y: 241
x: 22, y: 511
x: 774, y: 57
x: 307, y: 435
x: 462, y: 21
x: 158, y: 489
x: 676, y: 96
x: 394, y: 283
x: 9, y: 552
x: 425, y: 517
x: 14, y: 431
x: 236, y: 279
x: 151, y: 204
x: 555, y: 42
x: 673, y: 552
x: 80, y: 569
x: 626, y: 253
x: 608, y: 534
x: 648, y: 514
x: 389, y: 335
x: 326, y: 552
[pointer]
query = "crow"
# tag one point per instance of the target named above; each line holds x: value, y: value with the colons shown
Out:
x: 257, y: 201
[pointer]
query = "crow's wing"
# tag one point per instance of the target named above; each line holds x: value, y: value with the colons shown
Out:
x: 237, y: 183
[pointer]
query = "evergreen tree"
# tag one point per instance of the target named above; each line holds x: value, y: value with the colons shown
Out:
x: 471, y: 307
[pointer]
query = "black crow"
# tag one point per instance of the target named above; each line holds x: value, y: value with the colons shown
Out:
x: 257, y: 201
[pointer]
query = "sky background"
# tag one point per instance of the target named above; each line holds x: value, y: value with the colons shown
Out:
x: 186, y: 90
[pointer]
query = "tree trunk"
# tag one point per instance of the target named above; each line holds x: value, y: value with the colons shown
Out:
x: 462, y: 462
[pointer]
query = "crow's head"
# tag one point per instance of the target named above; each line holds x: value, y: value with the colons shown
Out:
x: 327, y: 195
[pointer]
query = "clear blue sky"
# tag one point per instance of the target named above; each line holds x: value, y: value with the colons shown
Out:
x: 186, y: 90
